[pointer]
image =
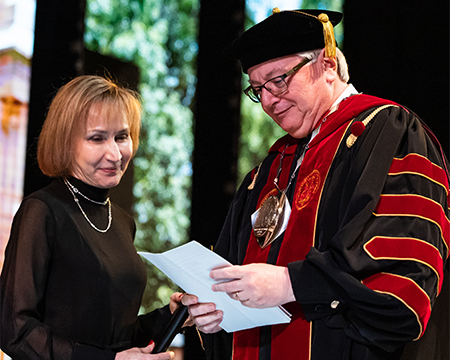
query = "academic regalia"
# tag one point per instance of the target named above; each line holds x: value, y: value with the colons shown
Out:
x: 366, y: 242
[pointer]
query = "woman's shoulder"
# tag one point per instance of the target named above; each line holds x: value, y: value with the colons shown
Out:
x: 49, y: 195
x: 37, y: 209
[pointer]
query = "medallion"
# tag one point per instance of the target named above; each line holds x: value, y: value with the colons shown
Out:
x: 269, y: 219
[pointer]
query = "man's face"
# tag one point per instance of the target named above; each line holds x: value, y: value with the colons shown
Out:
x: 308, y: 97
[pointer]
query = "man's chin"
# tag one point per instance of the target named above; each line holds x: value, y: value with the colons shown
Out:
x: 297, y: 133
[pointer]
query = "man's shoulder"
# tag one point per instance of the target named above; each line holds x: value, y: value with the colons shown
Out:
x: 360, y: 103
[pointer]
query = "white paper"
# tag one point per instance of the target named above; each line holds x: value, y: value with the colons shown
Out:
x: 189, y: 266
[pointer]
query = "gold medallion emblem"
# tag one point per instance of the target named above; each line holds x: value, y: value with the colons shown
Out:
x: 307, y: 189
x: 269, y: 219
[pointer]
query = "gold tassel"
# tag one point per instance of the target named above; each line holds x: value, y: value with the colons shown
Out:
x: 328, y: 31
x: 275, y: 10
x: 328, y: 35
x: 252, y: 185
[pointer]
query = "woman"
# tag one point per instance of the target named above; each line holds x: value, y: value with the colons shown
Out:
x: 72, y: 281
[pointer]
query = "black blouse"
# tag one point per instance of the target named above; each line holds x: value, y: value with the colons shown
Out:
x: 69, y: 291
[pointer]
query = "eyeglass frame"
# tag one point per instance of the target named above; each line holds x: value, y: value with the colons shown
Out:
x: 257, y: 98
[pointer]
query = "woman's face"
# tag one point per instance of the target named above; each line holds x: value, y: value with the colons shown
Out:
x: 104, y: 149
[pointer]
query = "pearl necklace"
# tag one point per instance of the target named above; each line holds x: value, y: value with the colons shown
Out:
x: 73, y: 190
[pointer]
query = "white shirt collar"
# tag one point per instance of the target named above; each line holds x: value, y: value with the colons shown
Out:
x: 349, y: 91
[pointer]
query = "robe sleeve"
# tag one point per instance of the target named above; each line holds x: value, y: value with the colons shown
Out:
x: 151, y: 326
x: 382, y: 238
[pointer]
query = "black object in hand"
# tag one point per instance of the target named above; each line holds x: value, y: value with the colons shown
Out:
x: 172, y: 329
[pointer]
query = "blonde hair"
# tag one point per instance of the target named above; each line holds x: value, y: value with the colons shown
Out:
x: 67, y: 117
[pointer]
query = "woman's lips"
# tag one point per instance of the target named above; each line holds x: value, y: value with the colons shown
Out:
x: 110, y: 170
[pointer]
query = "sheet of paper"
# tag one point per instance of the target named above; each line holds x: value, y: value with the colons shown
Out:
x: 189, y: 266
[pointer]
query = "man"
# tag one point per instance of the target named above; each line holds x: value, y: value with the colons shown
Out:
x: 364, y: 186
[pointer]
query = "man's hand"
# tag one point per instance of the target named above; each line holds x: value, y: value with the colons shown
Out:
x: 204, y: 315
x: 175, y: 301
x: 255, y: 285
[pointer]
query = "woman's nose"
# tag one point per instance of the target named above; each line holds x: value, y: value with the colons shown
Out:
x: 113, y: 151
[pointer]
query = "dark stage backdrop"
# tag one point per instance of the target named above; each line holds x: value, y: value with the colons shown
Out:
x: 399, y: 50
x: 57, y: 57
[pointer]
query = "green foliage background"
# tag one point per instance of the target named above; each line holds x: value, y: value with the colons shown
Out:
x: 160, y: 37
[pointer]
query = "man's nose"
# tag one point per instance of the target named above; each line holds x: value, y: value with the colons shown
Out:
x: 267, y: 98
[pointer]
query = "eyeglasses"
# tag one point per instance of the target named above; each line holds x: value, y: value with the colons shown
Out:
x: 276, y: 85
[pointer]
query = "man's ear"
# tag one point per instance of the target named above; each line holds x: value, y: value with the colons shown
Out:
x: 329, y: 66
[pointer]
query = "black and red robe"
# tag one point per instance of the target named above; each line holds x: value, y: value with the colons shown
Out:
x: 366, y: 242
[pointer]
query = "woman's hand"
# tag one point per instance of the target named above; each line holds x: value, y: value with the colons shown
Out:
x: 144, y: 354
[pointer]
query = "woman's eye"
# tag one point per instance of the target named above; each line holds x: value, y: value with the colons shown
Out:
x: 122, y: 137
x: 96, y: 138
